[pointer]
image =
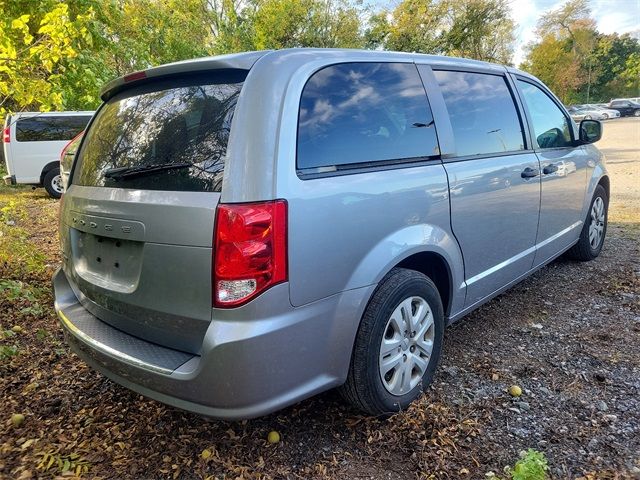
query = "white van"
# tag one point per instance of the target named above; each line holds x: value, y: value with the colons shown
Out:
x: 33, y: 142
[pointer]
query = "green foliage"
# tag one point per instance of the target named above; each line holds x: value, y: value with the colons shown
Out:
x: 479, y: 29
x: 306, y: 23
x: 57, y: 54
x: 42, y: 334
x: 580, y: 64
x: 531, y: 466
x: 36, y: 45
x: 7, y: 351
x: 14, y: 247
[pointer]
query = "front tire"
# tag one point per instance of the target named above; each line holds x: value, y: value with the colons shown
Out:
x: 636, y: 113
x: 53, y: 183
x: 398, y: 344
x: 594, y: 229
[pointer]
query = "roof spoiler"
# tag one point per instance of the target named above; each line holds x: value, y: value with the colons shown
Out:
x: 241, y: 61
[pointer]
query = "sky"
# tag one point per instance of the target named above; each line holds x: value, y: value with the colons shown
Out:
x: 619, y: 16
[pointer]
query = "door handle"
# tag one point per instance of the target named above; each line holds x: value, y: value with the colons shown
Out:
x: 530, y: 172
x: 550, y: 169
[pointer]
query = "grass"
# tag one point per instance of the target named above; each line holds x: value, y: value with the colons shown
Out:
x: 15, y: 248
x: 25, y: 295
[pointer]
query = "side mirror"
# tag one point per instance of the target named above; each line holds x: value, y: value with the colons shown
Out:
x: 590, y: 131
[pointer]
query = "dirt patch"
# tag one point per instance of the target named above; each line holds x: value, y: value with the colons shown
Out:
x: 569, y: 336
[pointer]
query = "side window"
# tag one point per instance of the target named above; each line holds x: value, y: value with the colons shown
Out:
x: 483, y: 115
x: 356, y: 113
x: 50, y: 129
x: 550, y: 125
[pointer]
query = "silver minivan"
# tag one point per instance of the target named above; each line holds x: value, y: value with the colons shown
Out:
x: 244, y: 231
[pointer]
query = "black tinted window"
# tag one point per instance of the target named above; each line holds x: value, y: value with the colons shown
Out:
x: 43, y: 128
x: 364, y: 112
x: 483, y: 116
x: 550, y: 125
x: 166, y: 136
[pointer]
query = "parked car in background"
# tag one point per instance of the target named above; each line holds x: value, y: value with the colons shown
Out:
x: 32, y: 144
x: 606, y: 112
x: 245, y: 231
x: 66, y: 158
x: 626, y: 108
x: 630, y: 99
x: 583, y: 113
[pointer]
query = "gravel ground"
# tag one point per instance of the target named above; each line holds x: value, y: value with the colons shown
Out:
x: 569, y: 336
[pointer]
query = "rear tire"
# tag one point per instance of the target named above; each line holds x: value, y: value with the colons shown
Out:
x: 53, y: 183
x: 594, y: 229
x: 636, y: 113
x: 398, y: 344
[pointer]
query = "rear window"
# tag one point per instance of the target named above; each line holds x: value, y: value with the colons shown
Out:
x: 358, y: 113
x: 168, y: 135
x: 50, y: 129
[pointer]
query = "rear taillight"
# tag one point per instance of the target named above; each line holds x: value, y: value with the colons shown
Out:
x: 250, y: 250
x: 6, y: 135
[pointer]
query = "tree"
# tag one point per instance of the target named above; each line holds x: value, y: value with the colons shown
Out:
x: 576, y: 61
x: 35, y: 51
x: 619, y: 72
x: 307, y: 23
x: 479, y: 29
x: 415, y: 26
x: 555, y: 65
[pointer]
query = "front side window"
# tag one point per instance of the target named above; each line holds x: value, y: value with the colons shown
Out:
x: 50, y: 128
x: 483, y: 115
x: 550, y: 125
x: 357, y: 113
x: 170, y: 135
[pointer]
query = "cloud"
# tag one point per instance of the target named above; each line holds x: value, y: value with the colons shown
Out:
x: 619, y: 16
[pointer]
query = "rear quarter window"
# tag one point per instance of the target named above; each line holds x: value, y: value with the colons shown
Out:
x: 358, y: 113
x: 168, y: 135
x: 50, y: 129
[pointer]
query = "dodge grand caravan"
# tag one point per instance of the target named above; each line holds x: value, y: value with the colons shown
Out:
x: 242, y: 232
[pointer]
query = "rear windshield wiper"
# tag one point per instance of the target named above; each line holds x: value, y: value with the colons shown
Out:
x: 126, y: 172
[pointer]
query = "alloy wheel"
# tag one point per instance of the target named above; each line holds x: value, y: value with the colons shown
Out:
x: 406, y: 346
x: 596, y: 227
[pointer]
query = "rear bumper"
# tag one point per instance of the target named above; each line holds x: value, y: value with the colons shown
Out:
x: 9, y: 179
x: 254, y: 359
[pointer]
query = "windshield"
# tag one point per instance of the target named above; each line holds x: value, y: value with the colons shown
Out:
x: 176, y: 131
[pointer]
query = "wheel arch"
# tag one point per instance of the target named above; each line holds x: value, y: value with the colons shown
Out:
x: 604, y: 181
x: 434, y: 266
x: 425, y: 248
x: 47, y: 168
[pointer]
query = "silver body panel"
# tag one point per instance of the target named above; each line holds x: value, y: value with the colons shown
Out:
x: 345, y: 232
